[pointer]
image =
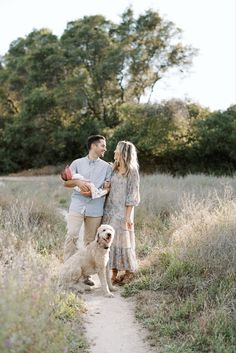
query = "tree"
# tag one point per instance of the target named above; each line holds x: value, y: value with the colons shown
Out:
x: 54, y: 89
x: 216, y: 141
x: 116, y: 63
x: 152, y: 47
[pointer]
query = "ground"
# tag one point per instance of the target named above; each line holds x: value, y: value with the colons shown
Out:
x: 111, y: 326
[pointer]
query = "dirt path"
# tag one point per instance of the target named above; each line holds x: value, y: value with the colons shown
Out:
x: 111, y: 326
x: 110, y: 323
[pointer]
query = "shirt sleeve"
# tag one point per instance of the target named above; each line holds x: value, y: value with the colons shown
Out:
x: 133, y: 195
x: 108, y: 173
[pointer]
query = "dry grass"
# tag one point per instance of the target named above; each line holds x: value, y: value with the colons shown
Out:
x: 35, y: 315
x: 47, y: 170
x: 186, y: 286
x: 206, y: 234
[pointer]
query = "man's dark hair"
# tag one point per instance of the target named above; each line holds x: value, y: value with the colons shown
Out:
x: 94, y: 139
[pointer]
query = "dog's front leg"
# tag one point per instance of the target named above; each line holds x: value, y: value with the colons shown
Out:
x: 102, y: 277
x: 108, y: 275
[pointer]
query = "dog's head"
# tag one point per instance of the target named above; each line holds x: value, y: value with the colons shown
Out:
x: 105, y: 235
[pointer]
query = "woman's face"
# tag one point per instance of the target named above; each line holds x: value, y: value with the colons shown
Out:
x: 116, y: 154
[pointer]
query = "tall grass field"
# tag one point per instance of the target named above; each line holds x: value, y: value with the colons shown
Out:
x: 35, y: 315
x: 186, y: 243
x: 185, y: 287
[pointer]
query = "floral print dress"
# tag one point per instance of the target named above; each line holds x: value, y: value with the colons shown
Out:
x: 124, y: 192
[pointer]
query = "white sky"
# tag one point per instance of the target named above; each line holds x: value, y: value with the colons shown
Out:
x: 209, y: 25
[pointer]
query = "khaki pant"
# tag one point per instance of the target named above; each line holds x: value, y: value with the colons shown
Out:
x: 74, y: 223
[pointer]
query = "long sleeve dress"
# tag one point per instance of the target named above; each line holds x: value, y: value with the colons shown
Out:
x: 124, y: 192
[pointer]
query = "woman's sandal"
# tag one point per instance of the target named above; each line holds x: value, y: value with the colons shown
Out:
x: 115, y: 281
x: 114, y: 278
x: 126, y: 278
x: 118, y: 279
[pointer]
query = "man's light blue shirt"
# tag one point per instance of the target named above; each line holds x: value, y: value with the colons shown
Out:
x: 97, y: 171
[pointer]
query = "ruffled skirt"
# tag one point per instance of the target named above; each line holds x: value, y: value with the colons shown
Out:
x: 122, y: 252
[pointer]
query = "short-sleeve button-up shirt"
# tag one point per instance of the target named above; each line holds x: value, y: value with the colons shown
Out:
x: 96, y: 171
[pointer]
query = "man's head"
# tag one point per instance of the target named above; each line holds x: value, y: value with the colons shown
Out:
x: 97, y: 145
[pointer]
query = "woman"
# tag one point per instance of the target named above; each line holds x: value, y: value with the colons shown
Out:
x: 119, y: 211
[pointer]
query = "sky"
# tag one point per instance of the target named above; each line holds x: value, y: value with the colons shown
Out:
x: 208, y: 25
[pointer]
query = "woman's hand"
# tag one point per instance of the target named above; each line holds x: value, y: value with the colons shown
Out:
x: 129, y: 222
x: 107, y: 185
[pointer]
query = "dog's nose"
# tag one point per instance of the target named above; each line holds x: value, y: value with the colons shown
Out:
x: 108, y: 235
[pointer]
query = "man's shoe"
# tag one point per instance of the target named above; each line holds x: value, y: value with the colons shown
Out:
x: 88, y: 281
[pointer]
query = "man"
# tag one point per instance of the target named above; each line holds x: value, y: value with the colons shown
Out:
x: 84, y: 209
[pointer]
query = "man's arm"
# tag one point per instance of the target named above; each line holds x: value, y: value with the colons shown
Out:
x: 83, y: 185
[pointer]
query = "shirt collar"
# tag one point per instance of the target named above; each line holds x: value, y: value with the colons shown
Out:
x: 92, y: 161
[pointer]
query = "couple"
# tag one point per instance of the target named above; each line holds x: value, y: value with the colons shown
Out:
x: 122, y: 181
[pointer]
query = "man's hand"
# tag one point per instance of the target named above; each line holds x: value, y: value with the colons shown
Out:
x: 85, y: 188
x: 86, y: 193
x: 83, y: 185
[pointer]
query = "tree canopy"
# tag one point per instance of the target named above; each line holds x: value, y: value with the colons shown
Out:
x: 54, y: 92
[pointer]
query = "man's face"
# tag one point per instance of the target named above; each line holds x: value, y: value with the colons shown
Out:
x: 99, y: 148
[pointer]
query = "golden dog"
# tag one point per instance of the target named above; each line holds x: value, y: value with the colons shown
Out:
x: 89, y: 260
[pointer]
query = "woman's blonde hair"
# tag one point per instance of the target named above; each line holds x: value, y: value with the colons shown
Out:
x: 128, y: 154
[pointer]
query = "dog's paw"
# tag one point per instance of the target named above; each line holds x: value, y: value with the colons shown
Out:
x: 109, y: 295
x: 113, y: 289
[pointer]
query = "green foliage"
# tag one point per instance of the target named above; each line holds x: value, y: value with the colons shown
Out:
x: 216, y: 141
x: 141, y: 283
x: 57, y: 91
x: 68, y: 307
x: 181, y: 308
x: 179, y: 137
x: 164, y: 134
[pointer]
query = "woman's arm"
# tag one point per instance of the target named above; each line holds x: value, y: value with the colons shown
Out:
x: 128, y: 220
x: 132, y: 197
